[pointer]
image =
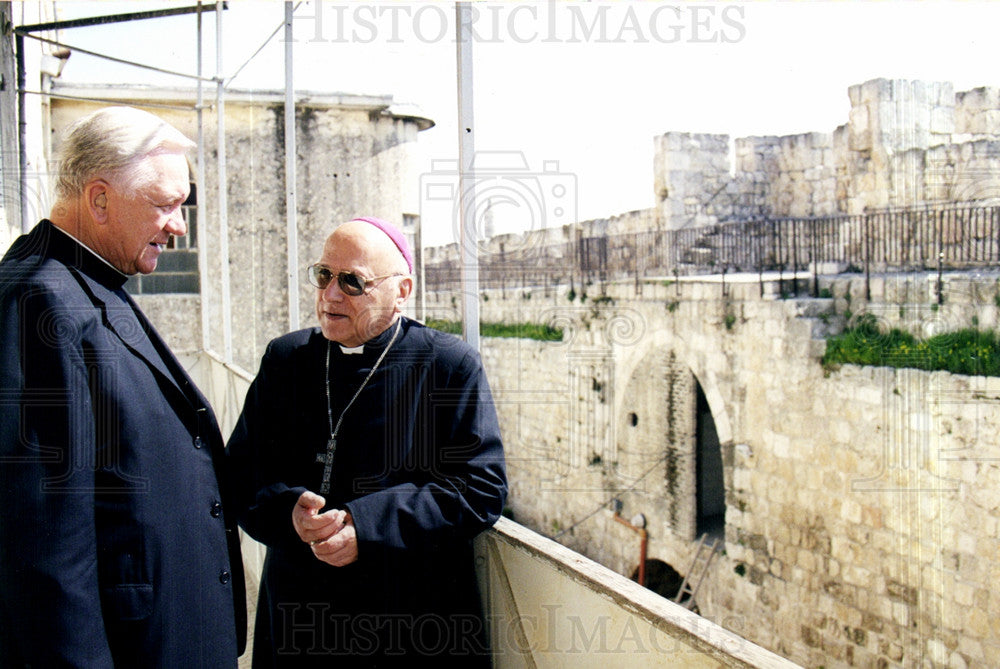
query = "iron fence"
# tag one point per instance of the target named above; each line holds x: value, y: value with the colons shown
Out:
x: 956, y: 236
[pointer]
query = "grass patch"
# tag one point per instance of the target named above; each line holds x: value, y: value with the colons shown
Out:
x: 507, y: 330
x: 970, y: 351
x: 451, y: 327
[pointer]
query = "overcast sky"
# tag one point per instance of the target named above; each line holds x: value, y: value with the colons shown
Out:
x: 578, y: 88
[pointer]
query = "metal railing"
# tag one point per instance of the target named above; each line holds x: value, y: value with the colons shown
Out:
x: 953, y: 236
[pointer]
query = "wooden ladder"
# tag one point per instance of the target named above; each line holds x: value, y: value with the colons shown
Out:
x: 696, y: 574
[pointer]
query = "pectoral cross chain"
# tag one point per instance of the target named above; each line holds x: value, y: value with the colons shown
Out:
x: 326, y: 459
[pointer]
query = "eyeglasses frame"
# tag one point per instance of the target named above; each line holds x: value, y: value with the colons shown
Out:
x: 368, y: 283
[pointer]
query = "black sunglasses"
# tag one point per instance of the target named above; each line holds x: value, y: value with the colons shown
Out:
x: 349, y: 282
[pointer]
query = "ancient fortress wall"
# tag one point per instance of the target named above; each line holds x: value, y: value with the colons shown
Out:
x: 905, y: 143
x: 861, y: 505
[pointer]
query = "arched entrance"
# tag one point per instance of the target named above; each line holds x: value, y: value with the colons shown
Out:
x: 710, y: 490
x: 668, y: 451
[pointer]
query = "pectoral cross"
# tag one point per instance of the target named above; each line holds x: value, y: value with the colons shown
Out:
x: 326, y: 458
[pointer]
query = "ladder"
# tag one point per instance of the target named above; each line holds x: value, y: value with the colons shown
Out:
x: 696, y: 574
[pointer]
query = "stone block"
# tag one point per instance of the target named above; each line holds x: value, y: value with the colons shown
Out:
x: 964, y: 594
x: 942, y: 120
x: 937, y: 652
x: 859, y: 126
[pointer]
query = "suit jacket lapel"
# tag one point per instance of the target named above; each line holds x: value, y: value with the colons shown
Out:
x: 103, y: 285
x: 165, y: 358
x: 122, y: 318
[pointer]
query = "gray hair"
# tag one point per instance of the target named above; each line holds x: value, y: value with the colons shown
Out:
x: 111, y: 143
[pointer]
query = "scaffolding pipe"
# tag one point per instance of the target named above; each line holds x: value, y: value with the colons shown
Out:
x: 118, y: 18
x: 201, y: 215
x: 291, y: 229
x: 468, y: 239
x: 643, y: 543
x: 22, y: 142
x: 95, y: 54
x: 227, y: 316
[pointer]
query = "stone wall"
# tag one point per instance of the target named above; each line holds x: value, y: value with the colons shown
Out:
x: 905, y: 143
x: 537, y: 246
x: 889, y: 153
x: 861, y: 504
x: 795, y: 175
x: 691, y: 179
x: 977, y: 112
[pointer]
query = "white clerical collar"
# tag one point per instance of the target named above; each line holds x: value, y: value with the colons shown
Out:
x: 375, y: 341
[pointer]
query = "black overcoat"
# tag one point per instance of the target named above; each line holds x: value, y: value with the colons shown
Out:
x: 116, y: 548
x: 419, y: 464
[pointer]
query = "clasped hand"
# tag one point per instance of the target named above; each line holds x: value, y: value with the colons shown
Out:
x: 330, y: 535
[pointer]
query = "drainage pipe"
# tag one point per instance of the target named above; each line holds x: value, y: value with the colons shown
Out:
x: 639, y: 528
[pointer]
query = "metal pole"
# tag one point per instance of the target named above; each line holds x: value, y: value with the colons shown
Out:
x: 418, y: 247
x: 291, y: 225
x: 22, y: 141
x: 814, y: 228
x: 940, y: 285
x: 201, y: 213
x: 227, y: 316
x: 868, y: 254
x: 117, y: 18
x: 468, y: 241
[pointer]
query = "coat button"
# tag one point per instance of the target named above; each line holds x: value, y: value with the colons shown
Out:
x: 198, y: 443
x: 216, y: 509
x: 224, y: 577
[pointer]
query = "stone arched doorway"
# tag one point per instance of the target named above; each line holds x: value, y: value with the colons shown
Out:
x: 668, y: 453
x: 710, y: 486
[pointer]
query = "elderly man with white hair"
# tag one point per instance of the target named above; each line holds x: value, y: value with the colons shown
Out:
x: 117, y: 547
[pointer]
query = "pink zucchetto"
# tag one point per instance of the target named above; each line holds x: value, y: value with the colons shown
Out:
x: 393, y: 233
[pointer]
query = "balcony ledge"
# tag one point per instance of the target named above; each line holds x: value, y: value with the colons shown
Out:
x: 548, y: 606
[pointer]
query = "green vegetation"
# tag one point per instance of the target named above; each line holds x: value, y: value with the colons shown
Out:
x: 451, y: 327
x: 970, y: 351
x: 508, y: 330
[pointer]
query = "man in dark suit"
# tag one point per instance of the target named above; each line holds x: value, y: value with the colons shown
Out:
x: 116, y: 545
x: 368, y: 457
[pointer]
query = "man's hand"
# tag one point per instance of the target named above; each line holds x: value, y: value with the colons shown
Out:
x: 311, y: 525
x: 341, y: 548
x: 331, y: 534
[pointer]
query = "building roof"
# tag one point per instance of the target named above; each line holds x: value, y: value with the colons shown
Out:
x: 187, y: 96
